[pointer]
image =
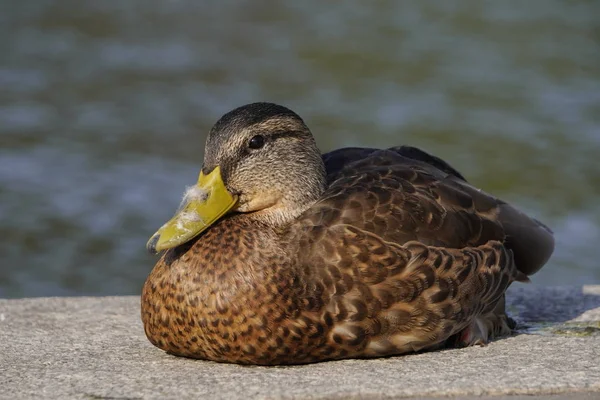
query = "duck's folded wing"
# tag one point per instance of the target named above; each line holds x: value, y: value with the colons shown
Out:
x: 400, y: 199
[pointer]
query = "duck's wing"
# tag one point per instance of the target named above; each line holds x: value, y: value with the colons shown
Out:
x: 531, y: 241
x: 400, y: 255
x: 405, y: 194
x: 401, y: 199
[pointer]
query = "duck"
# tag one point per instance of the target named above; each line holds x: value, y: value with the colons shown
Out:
x: 280, y: 254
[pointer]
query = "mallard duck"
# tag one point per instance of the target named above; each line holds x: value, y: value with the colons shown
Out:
x: 282, y: 255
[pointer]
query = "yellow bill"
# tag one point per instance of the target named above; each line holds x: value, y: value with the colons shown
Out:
x: 202, y: 205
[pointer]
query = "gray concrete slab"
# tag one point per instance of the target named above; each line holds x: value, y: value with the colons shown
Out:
x: 95, y: 348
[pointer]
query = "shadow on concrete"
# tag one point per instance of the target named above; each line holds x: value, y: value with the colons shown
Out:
x: 532, y: 304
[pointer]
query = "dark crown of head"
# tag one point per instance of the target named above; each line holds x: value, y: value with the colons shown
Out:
x: 254, y: 113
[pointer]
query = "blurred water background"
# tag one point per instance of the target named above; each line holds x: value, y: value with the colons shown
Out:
x: 104, y: 108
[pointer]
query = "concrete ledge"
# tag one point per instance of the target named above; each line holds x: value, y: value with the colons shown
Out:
x: 95, y: 348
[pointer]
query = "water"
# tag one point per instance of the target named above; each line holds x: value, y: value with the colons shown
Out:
x: 104, y: 108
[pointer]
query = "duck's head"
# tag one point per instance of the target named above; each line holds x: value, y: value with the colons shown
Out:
x: 260, y: 159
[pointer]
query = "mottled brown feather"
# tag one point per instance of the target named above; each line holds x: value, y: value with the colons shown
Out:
x: 399, y: 254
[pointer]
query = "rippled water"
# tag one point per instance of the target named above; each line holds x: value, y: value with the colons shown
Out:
x: 104, y: 107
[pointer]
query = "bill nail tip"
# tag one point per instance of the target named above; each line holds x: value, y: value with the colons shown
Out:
x: 151, y: 245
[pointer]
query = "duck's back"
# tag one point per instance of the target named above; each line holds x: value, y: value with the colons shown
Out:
x: 403, y: 194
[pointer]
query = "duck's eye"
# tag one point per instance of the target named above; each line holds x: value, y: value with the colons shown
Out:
x: 256, y: 142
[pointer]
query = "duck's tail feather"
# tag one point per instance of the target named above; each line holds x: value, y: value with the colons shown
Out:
x: 531, y: 242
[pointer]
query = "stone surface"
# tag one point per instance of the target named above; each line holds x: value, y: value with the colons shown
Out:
x: 95, y: 348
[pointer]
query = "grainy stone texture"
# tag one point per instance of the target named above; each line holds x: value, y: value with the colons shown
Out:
x: 95, y: 348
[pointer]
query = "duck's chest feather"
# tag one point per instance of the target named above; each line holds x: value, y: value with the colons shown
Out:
x: 225, y: 296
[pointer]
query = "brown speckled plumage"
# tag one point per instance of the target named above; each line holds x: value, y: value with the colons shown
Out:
x: 397, y: 254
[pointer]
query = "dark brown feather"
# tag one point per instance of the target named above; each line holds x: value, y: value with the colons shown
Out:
x: 399, y: 254
x: 445, y: 209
